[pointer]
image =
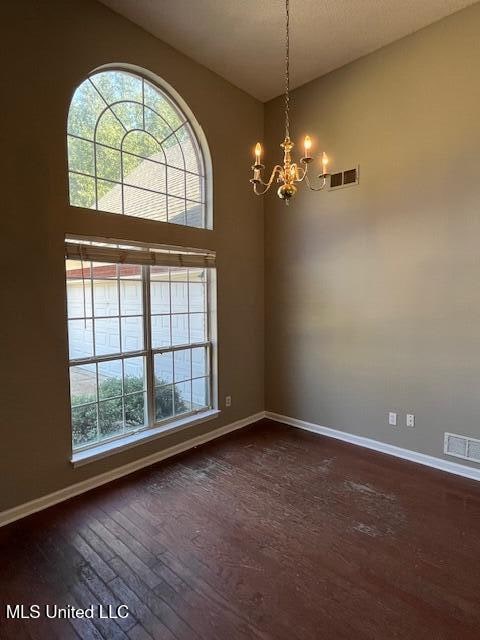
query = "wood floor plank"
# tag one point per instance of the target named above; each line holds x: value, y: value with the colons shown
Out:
x: 270, y: 533
x: 139, y: 633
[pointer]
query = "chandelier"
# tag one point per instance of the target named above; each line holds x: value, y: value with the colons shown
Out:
x: 290, y: 173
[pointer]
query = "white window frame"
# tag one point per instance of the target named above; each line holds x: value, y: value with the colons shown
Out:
x: 156, y: 428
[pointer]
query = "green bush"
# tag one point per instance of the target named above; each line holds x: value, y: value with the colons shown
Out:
x: 110, y: 409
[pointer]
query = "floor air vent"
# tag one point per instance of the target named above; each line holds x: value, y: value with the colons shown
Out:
x: 462, y: 447
x: 344, y: 179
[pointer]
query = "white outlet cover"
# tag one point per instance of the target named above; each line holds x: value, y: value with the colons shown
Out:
x: 392, y: 419
x: 410, y: 420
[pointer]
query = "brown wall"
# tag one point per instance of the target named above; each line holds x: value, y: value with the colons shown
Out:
x: 372, y: 292
x: 49, y: 47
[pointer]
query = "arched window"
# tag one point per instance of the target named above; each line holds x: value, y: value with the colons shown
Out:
x: 133, y: 151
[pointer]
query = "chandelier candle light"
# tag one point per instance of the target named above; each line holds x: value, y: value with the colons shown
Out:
x: 291, y: 172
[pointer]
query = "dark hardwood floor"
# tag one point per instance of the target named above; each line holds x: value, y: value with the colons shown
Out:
x: 269, y: 533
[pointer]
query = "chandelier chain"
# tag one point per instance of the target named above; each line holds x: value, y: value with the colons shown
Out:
x: 290, y: 173
x: 287, y: 68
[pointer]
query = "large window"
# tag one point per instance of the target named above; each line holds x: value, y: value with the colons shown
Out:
x: 140, y: 337
x: 132, y: 151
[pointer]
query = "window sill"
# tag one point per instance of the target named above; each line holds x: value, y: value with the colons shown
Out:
x: 80, y: 458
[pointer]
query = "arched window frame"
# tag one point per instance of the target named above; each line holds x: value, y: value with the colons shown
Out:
x: 196, y: 332
x: 180, y: 105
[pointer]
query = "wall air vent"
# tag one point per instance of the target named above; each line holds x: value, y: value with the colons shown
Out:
x: 344, y: 179
x: 462, y: 447
x: 336, y: 180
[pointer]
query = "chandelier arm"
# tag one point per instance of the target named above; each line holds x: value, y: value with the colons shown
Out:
x: 276, y: 169
x: 302, y: 173
x: 312, y: 188
x: 260, y: 193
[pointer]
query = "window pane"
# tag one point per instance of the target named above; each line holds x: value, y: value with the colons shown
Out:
x: 163, y: 402
x: 160, y: 296
x: 132, y: 334
x: 85, y: 109
x: 134, y: 374
x: 83, y: 384
x: 109, y: 130
x: 107, y: 336
x: 108, y: 163
x: 156, y: 126
x: 159, y: 273
x: 110, y: 417
x: 135, y: 413
x: 161, y: 331
x: 105, y: 298
x: 200, y: 393
x: 176, y: 210
x: 194, y: 187
x: 182, y: 365
x: 140, y: 143
x: 178, y: 274
x: 79, y: 298
x: 198, y: 327
x: 130, y: 272
x: 176, y: 182
x: 180, y: 328
x: 144, y: 204
x: 118, y: 85
x: 174, y: 153
x: 199, y: 362
x: 195, y: 215
x: 150, y: 175
x: 130, y: 114
x: 182, y: 396
x: 104, y: 270
x: 84, y: 425
x: 109, y: 197
x: 110, y: 379
x: 196, y: 296
x: 163, y: 365
x: 80, y: 156
x: 179, y: 293
x: 162, y: 106
x: 192, y: 157
x: 131, y: 297
x: 80, y: 339
x: 82, y: 191
x: 197, y: 275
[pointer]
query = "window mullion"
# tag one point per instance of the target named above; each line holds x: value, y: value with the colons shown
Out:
x: 208, y: 303
x: 120, y: 337
x: 147, y: 337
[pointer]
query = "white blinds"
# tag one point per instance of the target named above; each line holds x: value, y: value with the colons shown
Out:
x: 158, y: 256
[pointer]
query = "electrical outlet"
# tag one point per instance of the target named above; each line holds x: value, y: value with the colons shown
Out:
x: 392, y: 419
x: 228, y: 401
x: 410, y: 420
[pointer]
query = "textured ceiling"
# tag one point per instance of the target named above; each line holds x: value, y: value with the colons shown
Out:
x: 243, y: 40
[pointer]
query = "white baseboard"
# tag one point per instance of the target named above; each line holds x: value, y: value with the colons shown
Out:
x: 26, y: 509
x: 383, y: 447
